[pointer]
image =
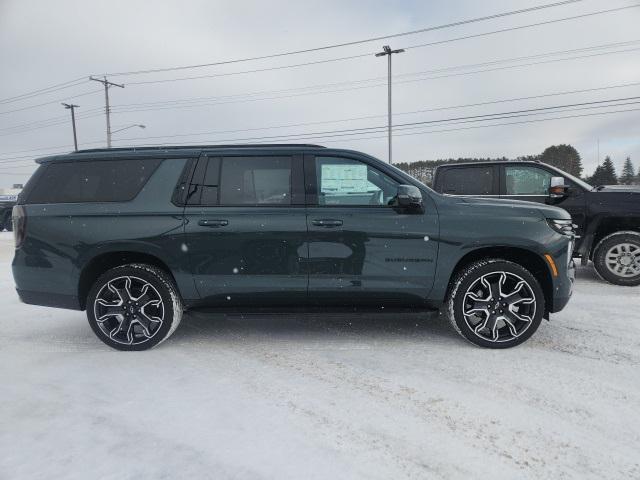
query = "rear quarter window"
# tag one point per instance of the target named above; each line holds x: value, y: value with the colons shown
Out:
x: 92, y: 181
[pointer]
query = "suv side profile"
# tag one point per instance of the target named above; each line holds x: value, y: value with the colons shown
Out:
x: 607, y: 218
x: 137, y: 236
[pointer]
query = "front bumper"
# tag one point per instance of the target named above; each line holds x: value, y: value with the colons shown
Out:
x: 563, y: 288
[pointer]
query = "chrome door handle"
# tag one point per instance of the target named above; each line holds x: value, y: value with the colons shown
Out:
x: 328, y: 223
x: 213, y: 223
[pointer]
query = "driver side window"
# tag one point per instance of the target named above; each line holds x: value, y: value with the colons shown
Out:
x: 525, y: 180
x: 342, y: 181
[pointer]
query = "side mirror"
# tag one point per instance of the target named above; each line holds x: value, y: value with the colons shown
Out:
x: 557, y: 188
x: 409, y: 196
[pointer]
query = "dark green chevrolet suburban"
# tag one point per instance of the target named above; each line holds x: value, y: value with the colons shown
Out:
x: 136, y: 236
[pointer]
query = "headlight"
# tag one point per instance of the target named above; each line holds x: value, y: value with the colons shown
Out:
x: 563, y: 227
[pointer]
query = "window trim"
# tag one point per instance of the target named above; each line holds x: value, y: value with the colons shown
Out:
x: 311, y: 181
x: 179, y: 197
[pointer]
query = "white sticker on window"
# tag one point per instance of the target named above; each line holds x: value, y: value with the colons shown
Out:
x: 344, y: 178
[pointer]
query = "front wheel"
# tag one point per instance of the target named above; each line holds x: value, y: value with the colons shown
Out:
x: 495, y: 303
x: 134, y: 307
x: 617, y: 258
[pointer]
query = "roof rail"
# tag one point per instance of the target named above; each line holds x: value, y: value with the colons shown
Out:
x: 187, y: 147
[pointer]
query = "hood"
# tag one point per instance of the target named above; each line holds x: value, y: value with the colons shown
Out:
x: 521, y: 208
x: 618, y: 189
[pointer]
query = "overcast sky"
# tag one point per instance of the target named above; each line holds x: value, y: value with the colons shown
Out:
x: 43, y: 43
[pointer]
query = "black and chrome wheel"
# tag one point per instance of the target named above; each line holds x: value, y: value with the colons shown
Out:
x: 617, y: 258
x: 495, y: 303
x: 133, y: 307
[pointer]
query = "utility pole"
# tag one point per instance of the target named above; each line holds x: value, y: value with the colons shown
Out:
x: 107, y: 110
x: 72, y: 107
x: 386, y: 50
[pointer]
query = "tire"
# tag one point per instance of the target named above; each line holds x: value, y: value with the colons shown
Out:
x: 134, y: 307
x: 617, y: 258
x: 518, y: 313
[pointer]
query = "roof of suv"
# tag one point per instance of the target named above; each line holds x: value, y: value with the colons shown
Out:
x: 169, y: 151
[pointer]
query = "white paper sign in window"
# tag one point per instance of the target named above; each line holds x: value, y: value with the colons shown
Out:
x: 344, y: 179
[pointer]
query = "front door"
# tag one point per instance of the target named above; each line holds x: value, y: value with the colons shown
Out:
x: 246, y: 230
x: 362, y: 250
x: 531, y: 183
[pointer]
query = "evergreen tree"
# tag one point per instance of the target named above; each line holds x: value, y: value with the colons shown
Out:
x: 564, y: 157
x: 605, y: 174
x: 628, y: 175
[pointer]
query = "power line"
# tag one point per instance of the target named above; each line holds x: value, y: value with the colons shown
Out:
x: 364, y: 55
x: 91, y: 92
x: 49, y: 123
x: 491, y: 125
x: 238, y: 98
x: 197, y: 102
x: 42, y: 91
x: 416, y: 133
x: 256, y: 70
x: 355, y: 42
x: 520, y: 27
x: 406, y: 126
x: 81, y: 80
x: 366, y: 117
x: 426, y: 122
x: 413, y: 112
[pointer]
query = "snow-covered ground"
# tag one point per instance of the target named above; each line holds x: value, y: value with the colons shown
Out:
x: 322, y: 397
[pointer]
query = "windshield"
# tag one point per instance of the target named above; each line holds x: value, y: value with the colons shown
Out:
x: 575, y: 180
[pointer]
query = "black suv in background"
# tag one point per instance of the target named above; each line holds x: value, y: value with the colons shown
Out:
x: 607, y: 217
x: 136, y: 236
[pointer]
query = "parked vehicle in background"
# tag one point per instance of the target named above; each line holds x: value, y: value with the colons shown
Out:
x: 607, y: 217
x: 6, y: 206
x: 136, y: 236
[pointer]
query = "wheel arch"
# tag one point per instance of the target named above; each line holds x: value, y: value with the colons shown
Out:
x: 526, y: 258
x: 105, y: 261
x: 608, y: 226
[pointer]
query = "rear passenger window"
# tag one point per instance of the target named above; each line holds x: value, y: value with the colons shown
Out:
x: 242, y: 181
x: 92, y: 181
x: 468, y: 181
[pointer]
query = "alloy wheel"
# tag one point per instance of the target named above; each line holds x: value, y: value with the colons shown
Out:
x: 129, y: 310
x: 623, y: 260
x: 499, y: 306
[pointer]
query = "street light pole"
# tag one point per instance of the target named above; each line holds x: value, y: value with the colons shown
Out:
x: 72, y: 107
x: 386, y: 50
x: 139, y: 125
x: 107, y: 109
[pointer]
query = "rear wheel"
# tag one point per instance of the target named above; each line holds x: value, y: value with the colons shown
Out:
x: 495, y: 303
x: 617, y: 258
x: 134, y: 307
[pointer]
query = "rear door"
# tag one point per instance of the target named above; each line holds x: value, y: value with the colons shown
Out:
x: 480, y: 180
x: 362, y: 250
x: 246, y: 230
